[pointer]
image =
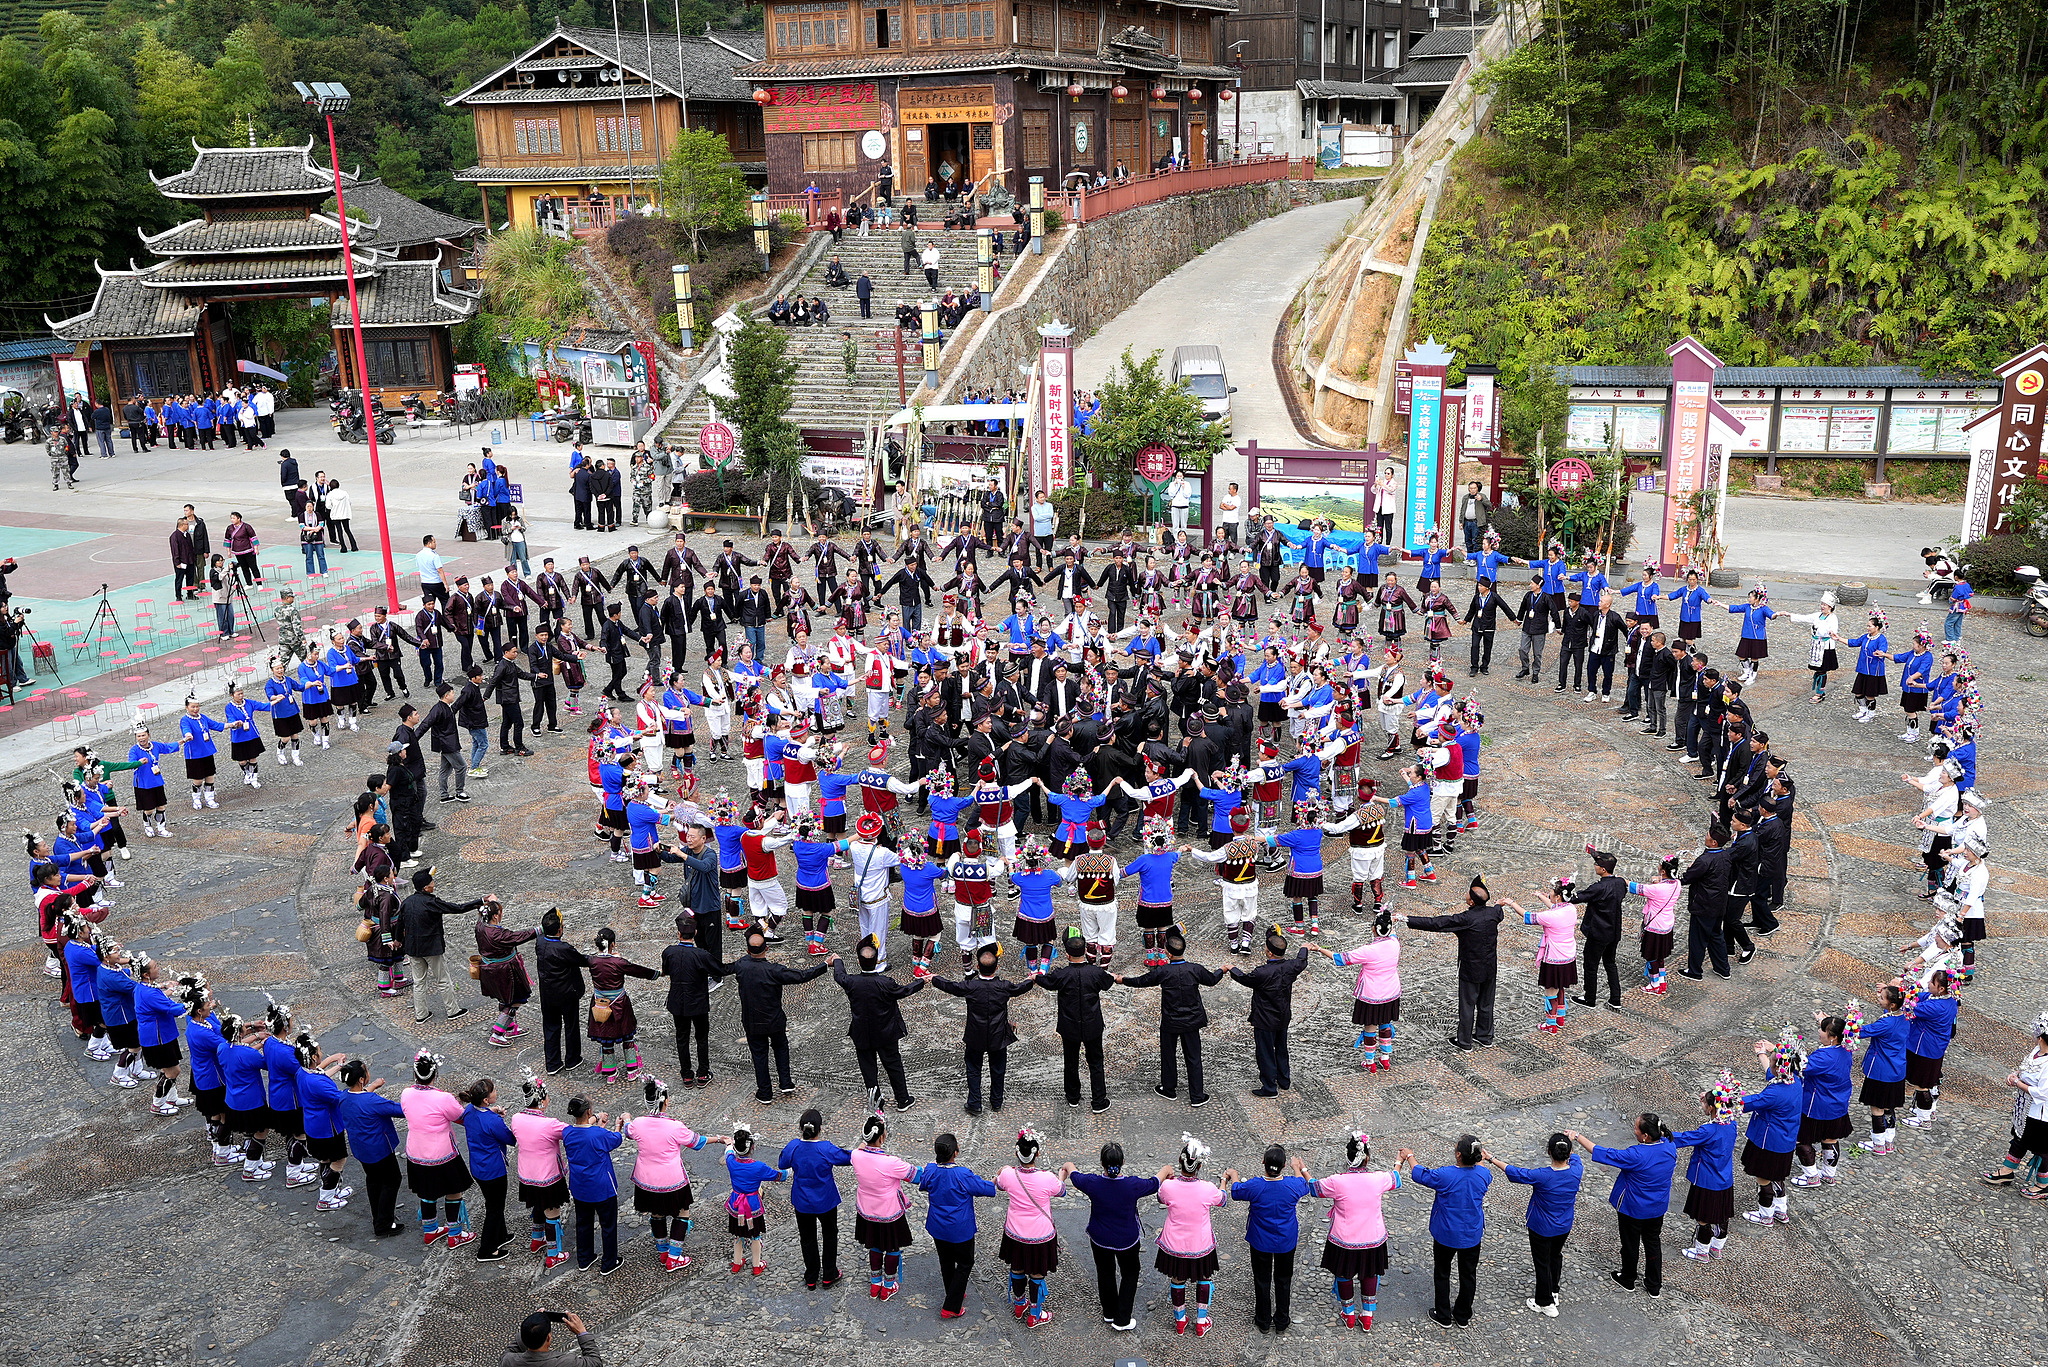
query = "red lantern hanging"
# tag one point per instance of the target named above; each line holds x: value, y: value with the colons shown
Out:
x: 1225, y: 95
x: 1074, y: 91
x: 1158, y: 92
x: 1117, y: 91
x: 763, y: 95
x: 1195, y: 94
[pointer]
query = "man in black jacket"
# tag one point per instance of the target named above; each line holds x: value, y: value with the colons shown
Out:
x: 1481, y: 613
x: 1602, y: 929
x: 615, y: 654
x: 675, y: 623
x: 988, y: 1025
x: 752, y: 608
x: 1080, y: 985
x: 406, y: 771
x: 914, y: 589
x: 1691, y: 691
x: 1708, y: 877
x: 689, y: 970
x: 444, y: 737
x: 711, y: 610
x: 1272, y: 985
x: 647, y: 627
x: 471, y: 714
x: 560, y: 966
x: 1571, y: 646
x: 1478, y: 930
x: 420, y: 917
x: 504, y: 690
x: 1117, y: 584
x: 1535, y: 618
x: 762, y: 1018
x: 1773, y: 848
x: 1181, y: 1015
x: 1604, y: 633
x: 877, y: 1023
x: 1744, y: 868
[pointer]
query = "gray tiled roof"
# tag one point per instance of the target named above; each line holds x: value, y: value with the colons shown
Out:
x: 409, y: 294
x: 1766, y: 377
x: 197, y: 237
x: 226, y: 172
x: 1428, y: 71
x: 1445, y: 42
x: 704, y: 69
x: 1346, y: 90
x: 521, y: 175
x: 191, y: 272
x: 124, y: 308
x: 401, y: 220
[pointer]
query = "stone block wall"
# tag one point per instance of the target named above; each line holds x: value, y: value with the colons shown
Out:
x: 1115, y: 260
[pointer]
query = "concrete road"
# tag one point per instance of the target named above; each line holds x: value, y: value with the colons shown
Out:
x: 1231, y: 296
x: 1834, y: 538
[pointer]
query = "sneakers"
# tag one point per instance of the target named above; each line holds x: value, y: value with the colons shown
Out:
x: 331, y: 1200
x: 1550, y: 1309
x: 162, y: 1106
x: 1699, y: 1253
x: 456, y: 1239
x: 301, y: 1175
x: 196, y: 803
x: 122, y: 1078
x: 210, y: 799
x: 1878, y: 1145
x: 1759, y: 1217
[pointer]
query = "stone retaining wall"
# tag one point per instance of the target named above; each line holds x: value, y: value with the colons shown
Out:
x: 1112, y: 262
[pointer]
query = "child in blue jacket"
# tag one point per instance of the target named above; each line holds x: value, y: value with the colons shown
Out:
x: 1711, y: 1201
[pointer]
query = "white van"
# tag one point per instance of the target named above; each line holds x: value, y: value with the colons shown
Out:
x: 1200, y: 370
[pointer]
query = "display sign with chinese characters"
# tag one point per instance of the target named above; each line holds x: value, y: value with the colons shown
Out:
x: 950, y: 104
x: 1685, y: 469
x: 1404, y: 389
x: 1056, y: 368
x: 1568, y: 476
x: 1157, y: 463
x: 1430, y: 361
x: 1482, y: 412
x: 824, y: 108
x: 2005, y: 445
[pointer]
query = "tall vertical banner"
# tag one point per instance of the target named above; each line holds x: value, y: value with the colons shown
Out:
x: 1482, y: 416
x: 1692, y: 392
x: 2005, y: 445
x: 1429, y: 362
x: 1056, y: 369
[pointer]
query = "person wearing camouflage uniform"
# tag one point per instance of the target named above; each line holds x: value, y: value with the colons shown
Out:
x: 643, y: 486
x: 60, y: 461
x: 291, y: 628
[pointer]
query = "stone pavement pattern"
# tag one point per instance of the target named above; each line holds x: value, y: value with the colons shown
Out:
x: 1908, y: 1260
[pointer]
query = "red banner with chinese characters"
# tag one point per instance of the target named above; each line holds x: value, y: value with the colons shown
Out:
x: 1692, y: 389
x: 823, y: 108
x: 1055, y: 424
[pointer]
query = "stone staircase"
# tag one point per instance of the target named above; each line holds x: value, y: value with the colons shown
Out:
x: 824, y: 397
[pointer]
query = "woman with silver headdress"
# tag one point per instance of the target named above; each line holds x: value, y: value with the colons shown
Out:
x: 2029, y: 1144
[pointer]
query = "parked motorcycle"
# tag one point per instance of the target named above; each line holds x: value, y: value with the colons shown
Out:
x: 2035, y: 614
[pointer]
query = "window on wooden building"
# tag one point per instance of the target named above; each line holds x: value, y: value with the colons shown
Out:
x: 537, y: 137
x: 1036, y: 125
x: 1035, y: 25
x: 1077, y: 30
x: 830, y: 151
x: 407, y: 361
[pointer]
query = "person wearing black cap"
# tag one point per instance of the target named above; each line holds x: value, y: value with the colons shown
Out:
x: 536, y: 1346
x: 1080, y: 986
x: 762, y: 1018
x: 877, y: 1023
x: 988, y: 1024
x: 1478, y: 930
x: 1272, y: 985
x: 426, y: 940
x: 1182, y: 1016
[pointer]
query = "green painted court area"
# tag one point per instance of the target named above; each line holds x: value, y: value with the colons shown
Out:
x: 23, y: 542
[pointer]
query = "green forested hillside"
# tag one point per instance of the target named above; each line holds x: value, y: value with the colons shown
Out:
x: 95, y: 97
x: 1789, y: 180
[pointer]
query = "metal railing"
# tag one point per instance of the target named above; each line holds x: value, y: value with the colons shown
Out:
x: 812, y: 204
x: 1084, y: 204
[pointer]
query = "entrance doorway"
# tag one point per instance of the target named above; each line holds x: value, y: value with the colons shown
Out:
x: 948, y: 154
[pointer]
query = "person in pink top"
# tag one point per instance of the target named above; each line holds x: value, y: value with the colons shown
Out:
x: 543, y: 1190
x: 1187, y: 1241
x: 434, y: 1169
x: 1660, y: 921
x: 661, y: 1184
x: 1376, y: 992
x: 1557, y: 957
x: 1355, y: 1252
x: 1030, y: 1244
x: 879, y: 1207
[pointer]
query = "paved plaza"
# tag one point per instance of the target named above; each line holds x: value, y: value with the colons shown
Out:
x: 125, y: 1246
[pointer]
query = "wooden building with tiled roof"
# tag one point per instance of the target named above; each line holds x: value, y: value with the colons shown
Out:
x: 985, y: 92
x: 262, y: 231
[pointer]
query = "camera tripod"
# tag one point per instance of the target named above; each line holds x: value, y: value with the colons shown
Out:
x: 239, y: 596
x: 34, y: 644
x: 103, y: 613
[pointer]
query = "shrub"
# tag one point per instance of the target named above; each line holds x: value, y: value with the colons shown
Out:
x: 1108, y: 513
x: 702, y: 492
x: 1993, y: 559
x: 650, y: 248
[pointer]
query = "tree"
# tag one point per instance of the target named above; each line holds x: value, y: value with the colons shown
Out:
x: 763, y: 383
x: 84, y: 164
x: 1535, y: 403
x: 702, y: 191
x: 1140, y: 407
x: 398, y: 162
x: 532, y: 292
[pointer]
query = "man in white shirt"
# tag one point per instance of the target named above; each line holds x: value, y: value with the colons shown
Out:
x: 266, y: 410
x: 1230, y: 511
x: 430, y: 563
x: 1177, y: 496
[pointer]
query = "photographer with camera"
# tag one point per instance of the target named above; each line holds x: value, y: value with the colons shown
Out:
x: 536, y: 1346
x: 13, y: 622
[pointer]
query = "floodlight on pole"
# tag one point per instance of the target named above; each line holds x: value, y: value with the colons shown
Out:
x: 331, y: 98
